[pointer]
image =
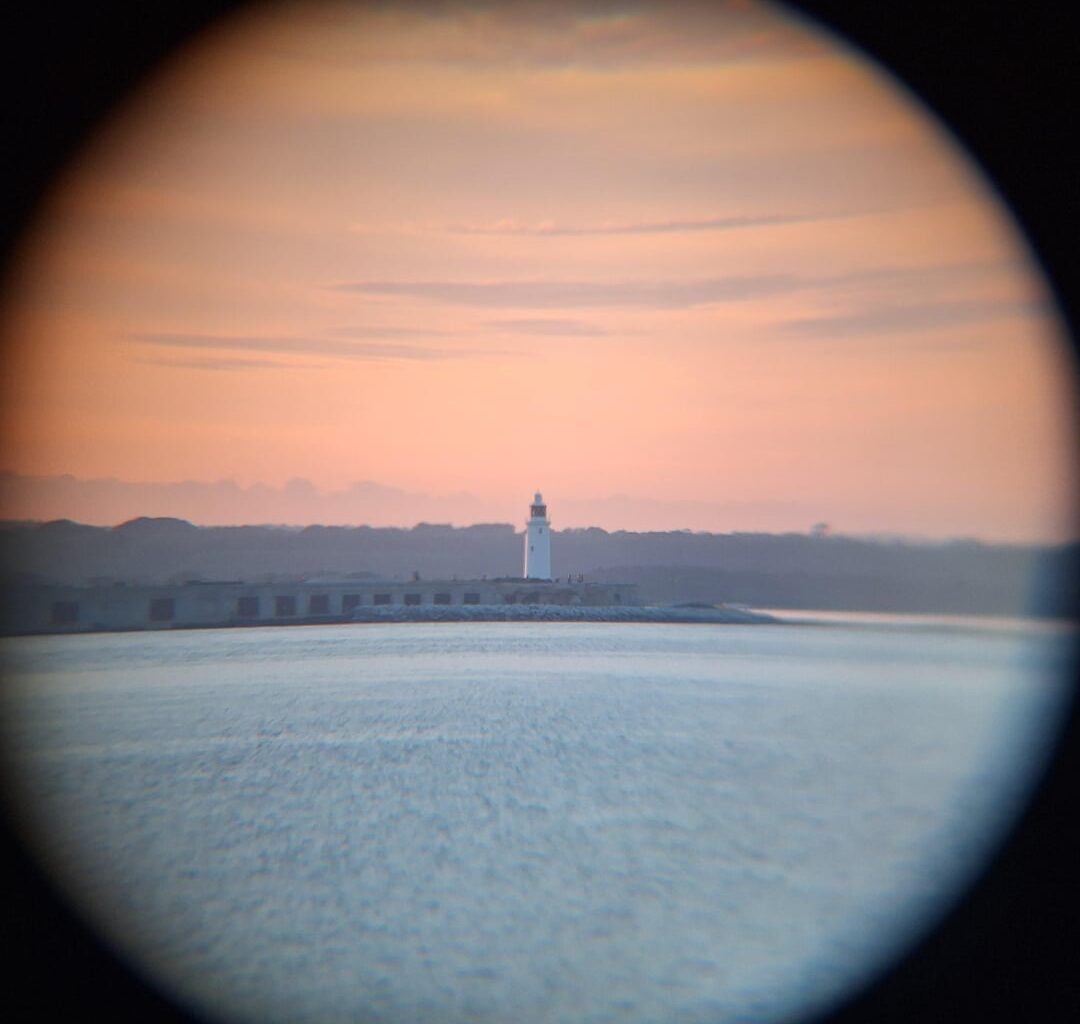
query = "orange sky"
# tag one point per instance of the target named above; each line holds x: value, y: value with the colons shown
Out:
x: 698, y: 259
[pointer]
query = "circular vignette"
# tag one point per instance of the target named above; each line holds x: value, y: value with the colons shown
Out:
x: 1000, y: 83
x: 996, y: 82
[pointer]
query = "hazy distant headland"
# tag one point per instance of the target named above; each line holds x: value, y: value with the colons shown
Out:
x: 299, y: 502
x: 757, y: 569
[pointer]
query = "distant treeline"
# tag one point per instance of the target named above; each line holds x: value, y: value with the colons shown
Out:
x: 762, y: 570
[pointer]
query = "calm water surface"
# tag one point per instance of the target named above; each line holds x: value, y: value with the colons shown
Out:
x: 532, y: 822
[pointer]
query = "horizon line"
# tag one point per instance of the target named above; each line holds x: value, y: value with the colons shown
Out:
x: 881, y: 537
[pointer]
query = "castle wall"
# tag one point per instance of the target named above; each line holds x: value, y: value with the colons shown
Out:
x: 49, y: 609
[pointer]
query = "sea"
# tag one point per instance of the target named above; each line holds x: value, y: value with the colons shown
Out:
x: 532, y: 822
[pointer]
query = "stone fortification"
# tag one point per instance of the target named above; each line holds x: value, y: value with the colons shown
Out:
x: 60, y: 609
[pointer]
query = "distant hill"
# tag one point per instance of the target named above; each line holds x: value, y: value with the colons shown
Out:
x: 762, y: 570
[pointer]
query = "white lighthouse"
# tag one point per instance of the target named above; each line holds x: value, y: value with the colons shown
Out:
x: 538, y: 541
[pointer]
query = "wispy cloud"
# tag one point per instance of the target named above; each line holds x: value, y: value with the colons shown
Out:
x: 909, y: 298
x: 509, y: 226
x: 887, y: 319
x: 954, y: 273
x: 581, y: 294
x: 391, y: 332
x: 547, y: 327
x: 606, y: 35
x: 296, y: 345
x: 218, y: 365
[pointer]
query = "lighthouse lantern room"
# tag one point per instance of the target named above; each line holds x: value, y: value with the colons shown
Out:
x: 538, y: 541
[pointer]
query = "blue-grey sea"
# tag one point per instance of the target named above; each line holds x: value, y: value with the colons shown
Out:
x: 534, y: 822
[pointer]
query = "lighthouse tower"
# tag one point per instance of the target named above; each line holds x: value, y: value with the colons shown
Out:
x: 538, y: 541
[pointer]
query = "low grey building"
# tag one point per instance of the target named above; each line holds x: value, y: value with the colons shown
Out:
x: 38, y: 608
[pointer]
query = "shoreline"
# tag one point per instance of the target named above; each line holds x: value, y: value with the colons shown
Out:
x: 718, y: 615
x: 561, y: 613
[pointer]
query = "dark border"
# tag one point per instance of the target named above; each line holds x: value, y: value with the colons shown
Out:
x: 1002, y: 77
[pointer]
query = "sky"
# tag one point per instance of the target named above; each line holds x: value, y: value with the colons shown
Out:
x: 676, y: 266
